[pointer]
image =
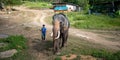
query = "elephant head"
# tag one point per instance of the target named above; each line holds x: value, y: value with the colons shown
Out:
x: 56, y: 29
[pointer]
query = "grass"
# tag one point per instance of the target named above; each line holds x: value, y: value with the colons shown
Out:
x: 82, y: 47
x: 23, y: 55
x: 84, y: 21
x: 37, y: 5
x: 14, y: 42
x: 17, y: 42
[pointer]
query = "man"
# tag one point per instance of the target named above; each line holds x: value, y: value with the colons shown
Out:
x: 43, y: 32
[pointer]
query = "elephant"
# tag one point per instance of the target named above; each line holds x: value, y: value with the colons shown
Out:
x: 60, y: 30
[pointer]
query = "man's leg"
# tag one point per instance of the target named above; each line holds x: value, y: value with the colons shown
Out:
x: 44, y: 36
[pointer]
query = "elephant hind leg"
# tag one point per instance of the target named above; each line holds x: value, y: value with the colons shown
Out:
x: 60, y: 42
x: 64, y: 39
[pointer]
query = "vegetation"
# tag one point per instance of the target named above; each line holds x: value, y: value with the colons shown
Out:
x: 11, y: 2
x: 37, y: 5
x: 80, y: 47
x: 16, y: 42
x: 85, y: 21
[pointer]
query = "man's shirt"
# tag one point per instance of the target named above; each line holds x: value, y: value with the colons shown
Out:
x: 43, y: 30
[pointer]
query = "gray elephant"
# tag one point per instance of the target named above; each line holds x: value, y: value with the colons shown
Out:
x: 60, y: 30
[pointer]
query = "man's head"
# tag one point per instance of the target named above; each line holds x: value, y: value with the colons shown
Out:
x: 43, y: 25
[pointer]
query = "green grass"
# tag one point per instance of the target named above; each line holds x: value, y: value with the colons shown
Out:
x: 14, y: 42
x: 82, y: 47
x: 37, y: 5
x: 84, y: 21
x: 17, y: 42
x: 23, y: 55
x: 58, y: 58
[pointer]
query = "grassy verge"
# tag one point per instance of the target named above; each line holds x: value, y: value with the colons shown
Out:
x: 37, y: 5
x: 16, y: 42
x: 83, y: 21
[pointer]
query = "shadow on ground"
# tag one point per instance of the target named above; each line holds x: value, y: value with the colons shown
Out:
x: 44, y: 47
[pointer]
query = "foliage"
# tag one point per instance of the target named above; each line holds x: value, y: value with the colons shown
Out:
x: 99, y: 21
x: 100, y: 1
x: 14, y: 42
x: 38, y: 5
x: 11, y: 2
x: 118, y: 12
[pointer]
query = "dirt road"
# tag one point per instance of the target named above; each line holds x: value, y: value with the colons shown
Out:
x: 28, y: 22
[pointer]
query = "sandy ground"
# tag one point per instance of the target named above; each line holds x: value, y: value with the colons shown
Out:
x: 27, y: 22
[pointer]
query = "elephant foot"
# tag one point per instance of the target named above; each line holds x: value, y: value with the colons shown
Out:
x: 65, y: 45
x: 58, y: 53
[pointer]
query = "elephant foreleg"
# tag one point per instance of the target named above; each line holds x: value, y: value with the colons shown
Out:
x: 56, y: 46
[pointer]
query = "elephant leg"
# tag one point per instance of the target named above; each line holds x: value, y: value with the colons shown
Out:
x: 56, y: 46
x: 60, y: 42
x: 66, y: 37
x: 63, y: 40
